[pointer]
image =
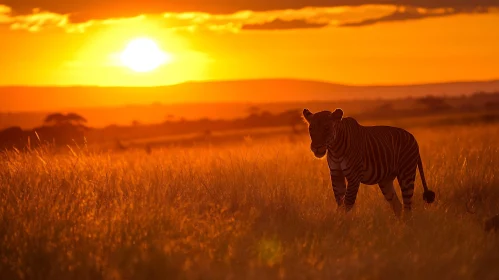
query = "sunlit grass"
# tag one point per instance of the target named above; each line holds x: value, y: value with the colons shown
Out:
x: 261, y: 210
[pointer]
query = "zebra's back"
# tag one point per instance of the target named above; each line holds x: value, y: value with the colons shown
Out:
x: 388, y: 151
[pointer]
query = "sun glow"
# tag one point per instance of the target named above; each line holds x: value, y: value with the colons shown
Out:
x: 144, y: 55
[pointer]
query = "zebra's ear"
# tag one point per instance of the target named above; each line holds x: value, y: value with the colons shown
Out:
x: 307, y: 115
x: 337, y: 114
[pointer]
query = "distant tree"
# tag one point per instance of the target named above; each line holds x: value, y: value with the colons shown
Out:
x: 387, y: 106
x: 385, y: 109
x: 254, y: 110
x: 433, y: 103
x: 75, y: 118
x: 266, y: 114
x: 480, y: 94
x: 135, y: 123
x: 294, y: 119
x: 56, y: 118
x: 62, y: 119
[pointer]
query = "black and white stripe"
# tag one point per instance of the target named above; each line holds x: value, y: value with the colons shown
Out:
x: 366, y: 154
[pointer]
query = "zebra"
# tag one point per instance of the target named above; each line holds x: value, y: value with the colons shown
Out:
x: 366, y: 154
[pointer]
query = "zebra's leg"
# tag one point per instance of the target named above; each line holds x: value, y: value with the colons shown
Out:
x: 406, y: 181
x: 351, y: 194
x: 339, y: 186
x: 391, y: 196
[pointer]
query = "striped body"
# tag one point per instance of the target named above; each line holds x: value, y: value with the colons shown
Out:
x: 367, y: 154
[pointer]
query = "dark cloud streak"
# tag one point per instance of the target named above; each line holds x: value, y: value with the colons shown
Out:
x: 279, y: 24
x: 410, y: 14
x: 396, y: 16
x: 83, y: 10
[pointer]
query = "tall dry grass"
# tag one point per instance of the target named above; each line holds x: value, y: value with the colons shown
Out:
x: 252, y: 211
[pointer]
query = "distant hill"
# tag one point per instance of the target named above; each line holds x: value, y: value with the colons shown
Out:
x: 264, y: 90
x: 26, y: 106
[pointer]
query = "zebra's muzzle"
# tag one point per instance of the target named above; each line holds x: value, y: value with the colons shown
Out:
x: 320, y: 151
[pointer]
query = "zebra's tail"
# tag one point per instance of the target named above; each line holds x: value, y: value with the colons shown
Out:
x: 428, y: 195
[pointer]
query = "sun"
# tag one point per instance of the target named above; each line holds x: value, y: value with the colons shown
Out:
x: 143, y: 55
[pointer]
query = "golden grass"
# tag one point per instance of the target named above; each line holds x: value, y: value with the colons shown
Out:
x: 249, y: 211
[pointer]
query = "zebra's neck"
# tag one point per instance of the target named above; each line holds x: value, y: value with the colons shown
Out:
x: 339, y: 144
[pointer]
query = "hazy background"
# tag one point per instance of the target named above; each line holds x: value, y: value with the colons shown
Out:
x: 202, y: 169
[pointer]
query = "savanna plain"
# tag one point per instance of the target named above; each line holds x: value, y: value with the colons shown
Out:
x: 254, y: 210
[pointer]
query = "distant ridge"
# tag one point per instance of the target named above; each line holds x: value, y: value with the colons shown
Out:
x: 25, y: 98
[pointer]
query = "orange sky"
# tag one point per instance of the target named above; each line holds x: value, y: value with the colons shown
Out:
x: 367, y: 44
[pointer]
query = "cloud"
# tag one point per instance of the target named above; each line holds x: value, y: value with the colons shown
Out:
x: 273, y: 20
x: 245, y: 20
x: 37, y: 20
x: 279, y: 24
x: 410, y: 13
x: 84, y: 10
x: 32, y: 22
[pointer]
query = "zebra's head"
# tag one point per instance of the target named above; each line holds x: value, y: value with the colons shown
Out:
x: 321, y: 127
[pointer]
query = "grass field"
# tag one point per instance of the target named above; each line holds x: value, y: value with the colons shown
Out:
x: 245, y: 211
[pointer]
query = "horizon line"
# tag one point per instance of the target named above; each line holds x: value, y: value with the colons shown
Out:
x: 255, y: 79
